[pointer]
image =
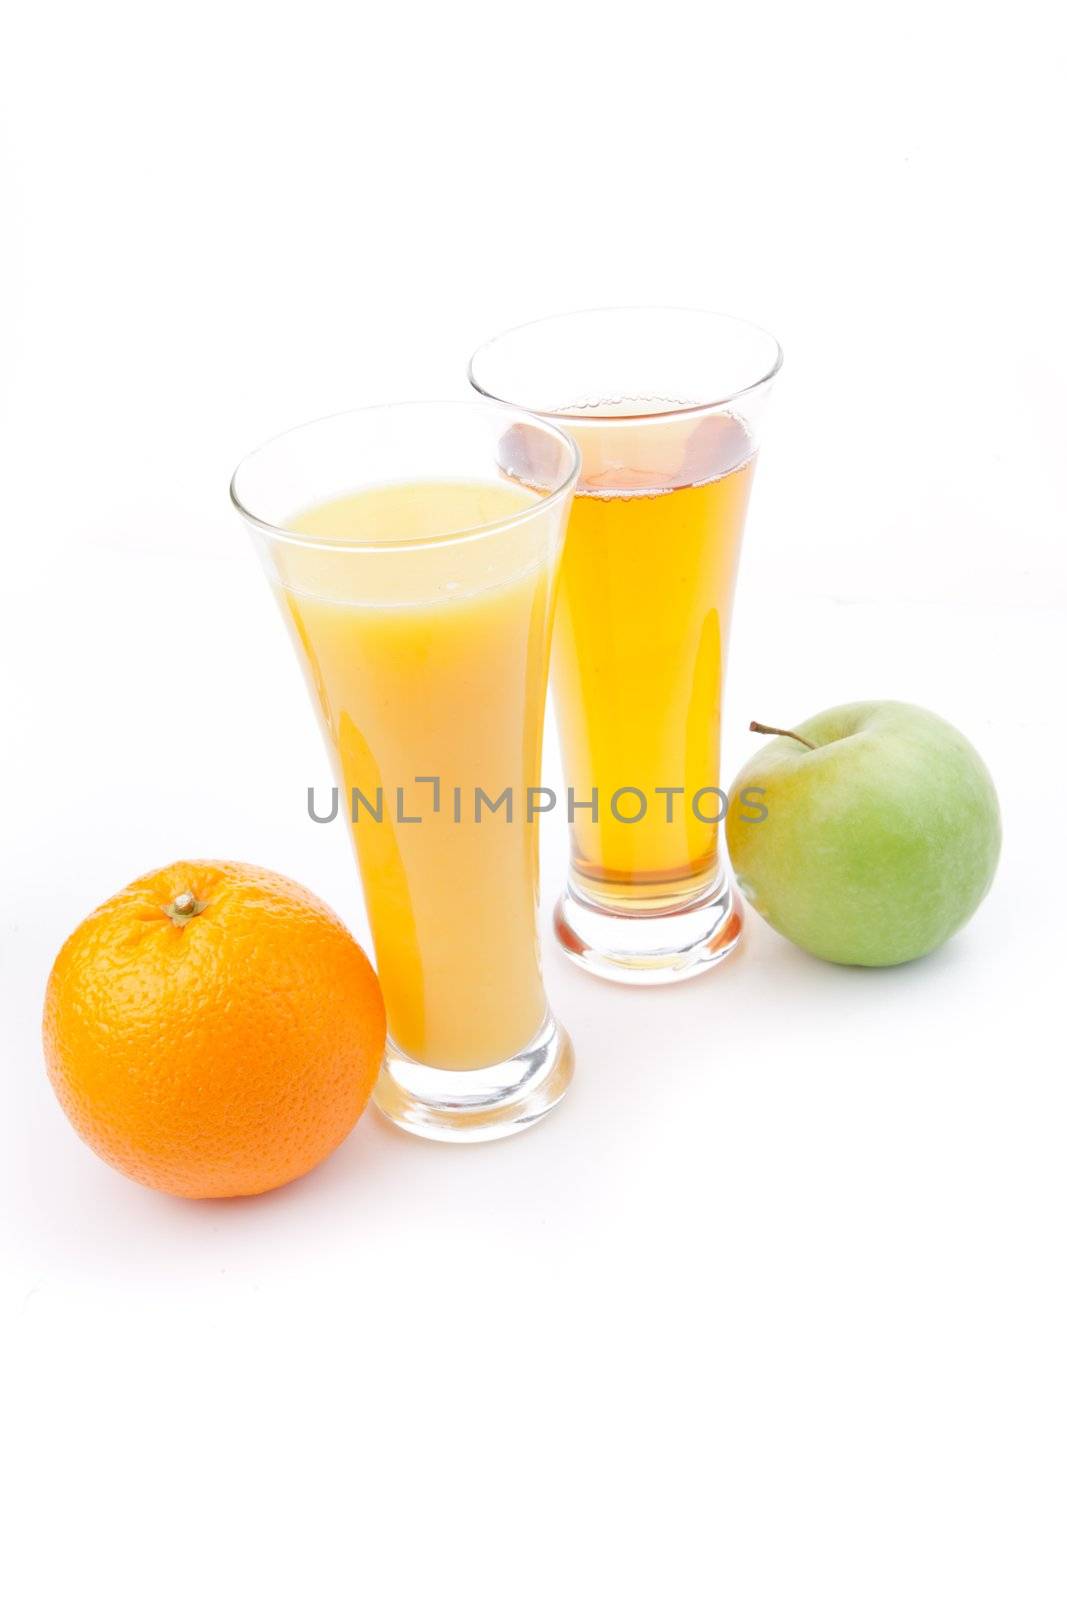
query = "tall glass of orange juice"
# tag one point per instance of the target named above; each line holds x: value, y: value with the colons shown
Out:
x: 414, y: 553
x: 666, y: 407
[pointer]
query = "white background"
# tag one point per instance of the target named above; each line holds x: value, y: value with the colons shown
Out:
x: 773, y: 1306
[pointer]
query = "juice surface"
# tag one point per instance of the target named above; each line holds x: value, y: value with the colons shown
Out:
x: 432, y: 663
x: 646, y: 590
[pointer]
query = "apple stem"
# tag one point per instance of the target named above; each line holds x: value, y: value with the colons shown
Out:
x: 783, y: 733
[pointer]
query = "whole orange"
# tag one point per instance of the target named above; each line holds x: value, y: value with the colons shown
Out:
x: 213, y: 1029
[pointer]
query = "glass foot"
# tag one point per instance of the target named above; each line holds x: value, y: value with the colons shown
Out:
x: 485, y: 1103
x: 649, y: 947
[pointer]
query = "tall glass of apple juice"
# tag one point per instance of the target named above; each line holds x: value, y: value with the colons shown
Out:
x: 414, y: 551
x: 666, y: 407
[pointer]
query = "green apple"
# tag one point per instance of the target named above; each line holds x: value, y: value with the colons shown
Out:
x: 873, y: 846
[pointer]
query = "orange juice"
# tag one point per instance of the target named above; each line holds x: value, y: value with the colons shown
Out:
x: 646, y: 588
x: 434, y: 667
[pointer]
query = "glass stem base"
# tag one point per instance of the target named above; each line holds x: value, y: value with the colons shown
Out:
x: 649, y: 947
x: 484, y: 1103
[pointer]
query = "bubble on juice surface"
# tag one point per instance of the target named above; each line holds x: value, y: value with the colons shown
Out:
x: 655, y: 452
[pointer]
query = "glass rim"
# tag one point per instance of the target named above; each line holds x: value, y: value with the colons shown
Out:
x: 632, y: 416
x: 486, y: 407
